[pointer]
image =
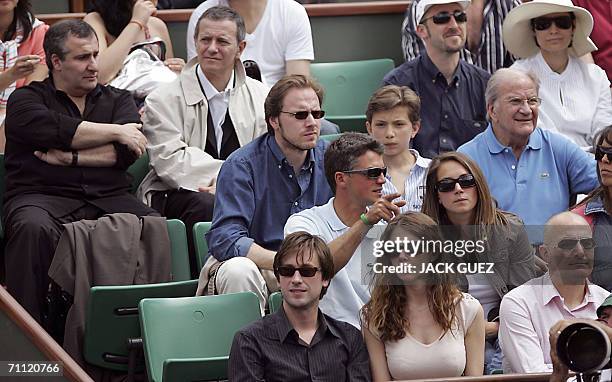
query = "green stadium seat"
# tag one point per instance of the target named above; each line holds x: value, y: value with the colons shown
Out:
x: 275, y: 300
x: 198, y: 341
x: 201, y: 246
x: 330, y: 137
x: 348, y: 87
x: 139, y: 170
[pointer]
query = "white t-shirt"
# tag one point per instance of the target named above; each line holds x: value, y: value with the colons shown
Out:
x: 348, y: 291
x: 283, y: 34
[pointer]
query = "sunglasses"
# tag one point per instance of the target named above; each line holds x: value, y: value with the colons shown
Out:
x: 289, y: 271
x: 444, y: 17
x: 372, y: 172
x: 448, y: 184
x: 600, y: 152
x: 316, y: 114
x: 569, y: 244
x: 543, y: 23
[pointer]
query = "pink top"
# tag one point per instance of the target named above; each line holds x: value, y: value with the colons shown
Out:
x: 33, y: 45
x: 526, y: 315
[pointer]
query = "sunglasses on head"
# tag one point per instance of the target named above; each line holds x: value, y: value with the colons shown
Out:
x: 543, y: 23
x: 372, y: 172
x: 569, y: 244
x: 444, y: 17
x: 289, y: 271
x: 448, y: 184
x: 600, y: 152
x: 316, y: 114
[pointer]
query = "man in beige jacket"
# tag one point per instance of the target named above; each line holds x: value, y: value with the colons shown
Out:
x: 197, y: 121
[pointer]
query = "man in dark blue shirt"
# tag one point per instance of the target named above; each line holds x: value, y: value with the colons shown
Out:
x: 451, y: 90
x: 260, y: 185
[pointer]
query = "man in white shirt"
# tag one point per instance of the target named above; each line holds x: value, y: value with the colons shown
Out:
x: 355, y: 171
x: 529, y: 311
x: 194, y: 123
x: 278, y: 37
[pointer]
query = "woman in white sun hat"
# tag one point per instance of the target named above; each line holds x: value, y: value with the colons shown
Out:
x: 549, y: 36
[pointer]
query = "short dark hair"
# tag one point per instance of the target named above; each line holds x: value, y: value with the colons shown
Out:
x: 305, y: 246
x: 55, y: 39
x: 343, y: 153
x: 220, y: 13
x: 274, y: 101
x: 22, y: 14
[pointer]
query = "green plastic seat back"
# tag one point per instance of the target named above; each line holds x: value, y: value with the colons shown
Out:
x: 112, y: 318
x: 348, y: 88
x: 139, y: 170
x: 193, y: 327
x: 178, y: 250
x: 195, y: 369
x: 112, y: 311
x: 275, y: 300
x: 201, y: 245
x: 330, y: 137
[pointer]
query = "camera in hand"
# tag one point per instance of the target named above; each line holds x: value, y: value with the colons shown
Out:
x: 584, y: 348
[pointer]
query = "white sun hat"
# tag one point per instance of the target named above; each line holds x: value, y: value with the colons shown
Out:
x: 424, y: 5
x: 519, y: 37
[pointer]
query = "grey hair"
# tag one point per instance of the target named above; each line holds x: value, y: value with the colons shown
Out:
x: 504, y: 75
x: 220, y: 13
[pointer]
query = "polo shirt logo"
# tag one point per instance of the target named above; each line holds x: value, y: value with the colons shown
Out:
x: 544, y: 175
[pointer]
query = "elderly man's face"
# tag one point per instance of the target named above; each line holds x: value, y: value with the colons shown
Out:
x: 514, y: 114
x: 570, y: 254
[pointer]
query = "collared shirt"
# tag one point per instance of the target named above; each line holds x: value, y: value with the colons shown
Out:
x: 578, y: 112
x: 348, y: 291
x: 414, y: 187
x: 491, y: 54
x: 41, y: 117
x: 526, y: 315
x: 257, y: 191
x: 270, y: 350
x: 538, y: 184
x: 452, y: 114
x: 218, y: 102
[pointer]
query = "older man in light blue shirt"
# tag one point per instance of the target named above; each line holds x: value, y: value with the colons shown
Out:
x: 531, y: 172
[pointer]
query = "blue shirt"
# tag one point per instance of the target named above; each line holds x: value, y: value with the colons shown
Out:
x: 451, y: 114
x: 257, y: 191
x: 538, y: 185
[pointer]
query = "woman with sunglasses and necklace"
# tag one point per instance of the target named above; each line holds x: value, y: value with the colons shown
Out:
x: 457, y: 197
x: 596, y: 208
x: 549, y: 36
x: 418, y: 324
x: 392, y: 118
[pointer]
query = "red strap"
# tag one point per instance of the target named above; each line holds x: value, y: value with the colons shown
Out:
x: 581, y: 210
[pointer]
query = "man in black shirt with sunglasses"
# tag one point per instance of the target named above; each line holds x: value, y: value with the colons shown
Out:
x: 451, y: 90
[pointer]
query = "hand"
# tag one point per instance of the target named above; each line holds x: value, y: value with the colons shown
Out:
x: 24, y: 66
x: 384, y: 208
x: 212, y: 188
x: 143, y: 10
x: 131, y: 136
x: 55, y: 157
x: 560, y: 371
x: 175, y: 64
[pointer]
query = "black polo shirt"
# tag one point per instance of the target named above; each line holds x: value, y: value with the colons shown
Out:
x: 451, y: 114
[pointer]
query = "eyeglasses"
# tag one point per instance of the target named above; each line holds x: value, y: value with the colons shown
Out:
x: 448, y: 184
x: 543, y: 23
x: 531, y: 101
x: 600, y: 152
x: 372, y: 172
x: 316, y: 114
x: 444, y: 17
x: 289, y: 271
x: 569, y: 244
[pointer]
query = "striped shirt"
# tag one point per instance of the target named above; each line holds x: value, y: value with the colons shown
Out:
x: 414, y: 188
x: 491, y: 54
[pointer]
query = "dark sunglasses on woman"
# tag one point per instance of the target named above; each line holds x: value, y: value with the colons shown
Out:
x: 543, y: 23
x: 448, y: 184
x: 601, y: 151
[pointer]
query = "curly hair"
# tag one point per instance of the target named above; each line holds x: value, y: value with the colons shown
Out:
x: 116, y: 14
x: 384, y: 312
x: 23, y: 13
